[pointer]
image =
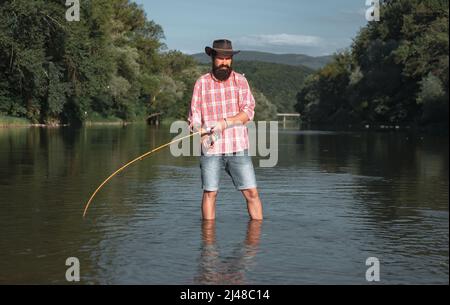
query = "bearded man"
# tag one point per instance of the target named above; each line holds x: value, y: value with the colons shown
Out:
x: 221, y: 105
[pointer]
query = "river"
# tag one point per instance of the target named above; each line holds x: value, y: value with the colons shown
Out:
x: 334, y: 199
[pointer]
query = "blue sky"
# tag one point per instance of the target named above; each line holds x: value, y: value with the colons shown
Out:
x: 315, y: 28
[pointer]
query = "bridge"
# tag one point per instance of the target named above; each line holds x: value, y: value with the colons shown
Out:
x: 154, y: 118
x: 285, y: 115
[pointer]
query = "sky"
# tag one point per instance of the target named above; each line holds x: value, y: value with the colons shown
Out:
x: 314, y: 28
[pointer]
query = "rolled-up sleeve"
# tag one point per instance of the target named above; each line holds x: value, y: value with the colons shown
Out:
x: 246, y: 101
x: 195, y: 111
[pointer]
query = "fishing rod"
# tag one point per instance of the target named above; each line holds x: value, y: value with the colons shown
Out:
x: 209, y: 131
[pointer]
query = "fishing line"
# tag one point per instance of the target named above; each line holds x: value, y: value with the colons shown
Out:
x: 131, y: 162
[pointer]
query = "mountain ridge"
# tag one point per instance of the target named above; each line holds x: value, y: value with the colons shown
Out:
x: 290, y: 59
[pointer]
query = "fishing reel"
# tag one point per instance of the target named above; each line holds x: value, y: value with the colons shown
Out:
x: 212, y: 137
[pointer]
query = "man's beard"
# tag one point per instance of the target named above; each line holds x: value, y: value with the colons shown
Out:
x: 222, y: 72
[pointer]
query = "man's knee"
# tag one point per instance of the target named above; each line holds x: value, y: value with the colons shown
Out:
x: 251, y: 194
x: 210, y: 194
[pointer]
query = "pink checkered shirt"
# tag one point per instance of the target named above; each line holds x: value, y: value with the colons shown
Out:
x: 213, y: 100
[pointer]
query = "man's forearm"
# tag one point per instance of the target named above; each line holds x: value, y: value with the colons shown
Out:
x: 240, y: 118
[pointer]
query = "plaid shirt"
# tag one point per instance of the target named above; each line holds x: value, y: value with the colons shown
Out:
x: 213, y: 100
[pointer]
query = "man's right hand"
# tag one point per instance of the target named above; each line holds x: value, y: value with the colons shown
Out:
x: 205, y: 131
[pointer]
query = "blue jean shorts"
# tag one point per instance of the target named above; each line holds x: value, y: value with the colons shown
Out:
x: 238, y: 166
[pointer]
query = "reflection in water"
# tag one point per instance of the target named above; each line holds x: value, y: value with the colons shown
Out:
x: 231, y: 269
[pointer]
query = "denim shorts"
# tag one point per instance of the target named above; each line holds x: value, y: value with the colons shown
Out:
x: 238, y: 166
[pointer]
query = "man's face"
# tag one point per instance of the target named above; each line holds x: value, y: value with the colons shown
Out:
x: 222, y: 67
x: 222, y: 61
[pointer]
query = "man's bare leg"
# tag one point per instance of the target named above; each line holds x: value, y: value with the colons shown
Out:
x: 254, y: 205
x: 209, y: 205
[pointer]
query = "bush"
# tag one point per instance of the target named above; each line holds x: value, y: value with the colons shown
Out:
x: 433, y: 99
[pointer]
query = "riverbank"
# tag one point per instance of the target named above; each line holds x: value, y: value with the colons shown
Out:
x: 12, y: 122
x: 7, y: 121
x: 441, y: 128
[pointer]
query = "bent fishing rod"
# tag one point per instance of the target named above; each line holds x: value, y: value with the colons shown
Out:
x: 141, y: 157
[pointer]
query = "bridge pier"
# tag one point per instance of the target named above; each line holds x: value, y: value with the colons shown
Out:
x: 285, y: 115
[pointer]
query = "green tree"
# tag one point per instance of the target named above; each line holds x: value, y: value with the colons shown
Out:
x: 434, y: 99
x: 390, y: 71
x: 110, y: 63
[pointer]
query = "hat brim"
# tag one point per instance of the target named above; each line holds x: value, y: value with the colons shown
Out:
x: 226, y: 52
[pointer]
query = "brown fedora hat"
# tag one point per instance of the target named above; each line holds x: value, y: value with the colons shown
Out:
x: 221, y: 46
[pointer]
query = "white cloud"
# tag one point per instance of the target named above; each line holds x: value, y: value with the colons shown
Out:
x: 279, y: 40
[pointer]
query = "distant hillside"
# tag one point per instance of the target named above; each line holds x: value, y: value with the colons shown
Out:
x: 279, y: 83
x: 286, y: 59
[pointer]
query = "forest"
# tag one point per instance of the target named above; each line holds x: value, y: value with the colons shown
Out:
x: 110, y: 64
x: 113, y: 65
x: 395, y: 72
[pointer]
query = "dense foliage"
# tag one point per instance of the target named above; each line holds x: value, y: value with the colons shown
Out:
x: 395, y: 72
x: 277, y: 82
x: 111, y: 63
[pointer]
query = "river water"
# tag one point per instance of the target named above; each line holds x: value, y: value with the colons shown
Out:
x: 333, y: 200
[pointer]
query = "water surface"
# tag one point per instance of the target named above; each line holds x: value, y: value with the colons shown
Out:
x: 333, y: 200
